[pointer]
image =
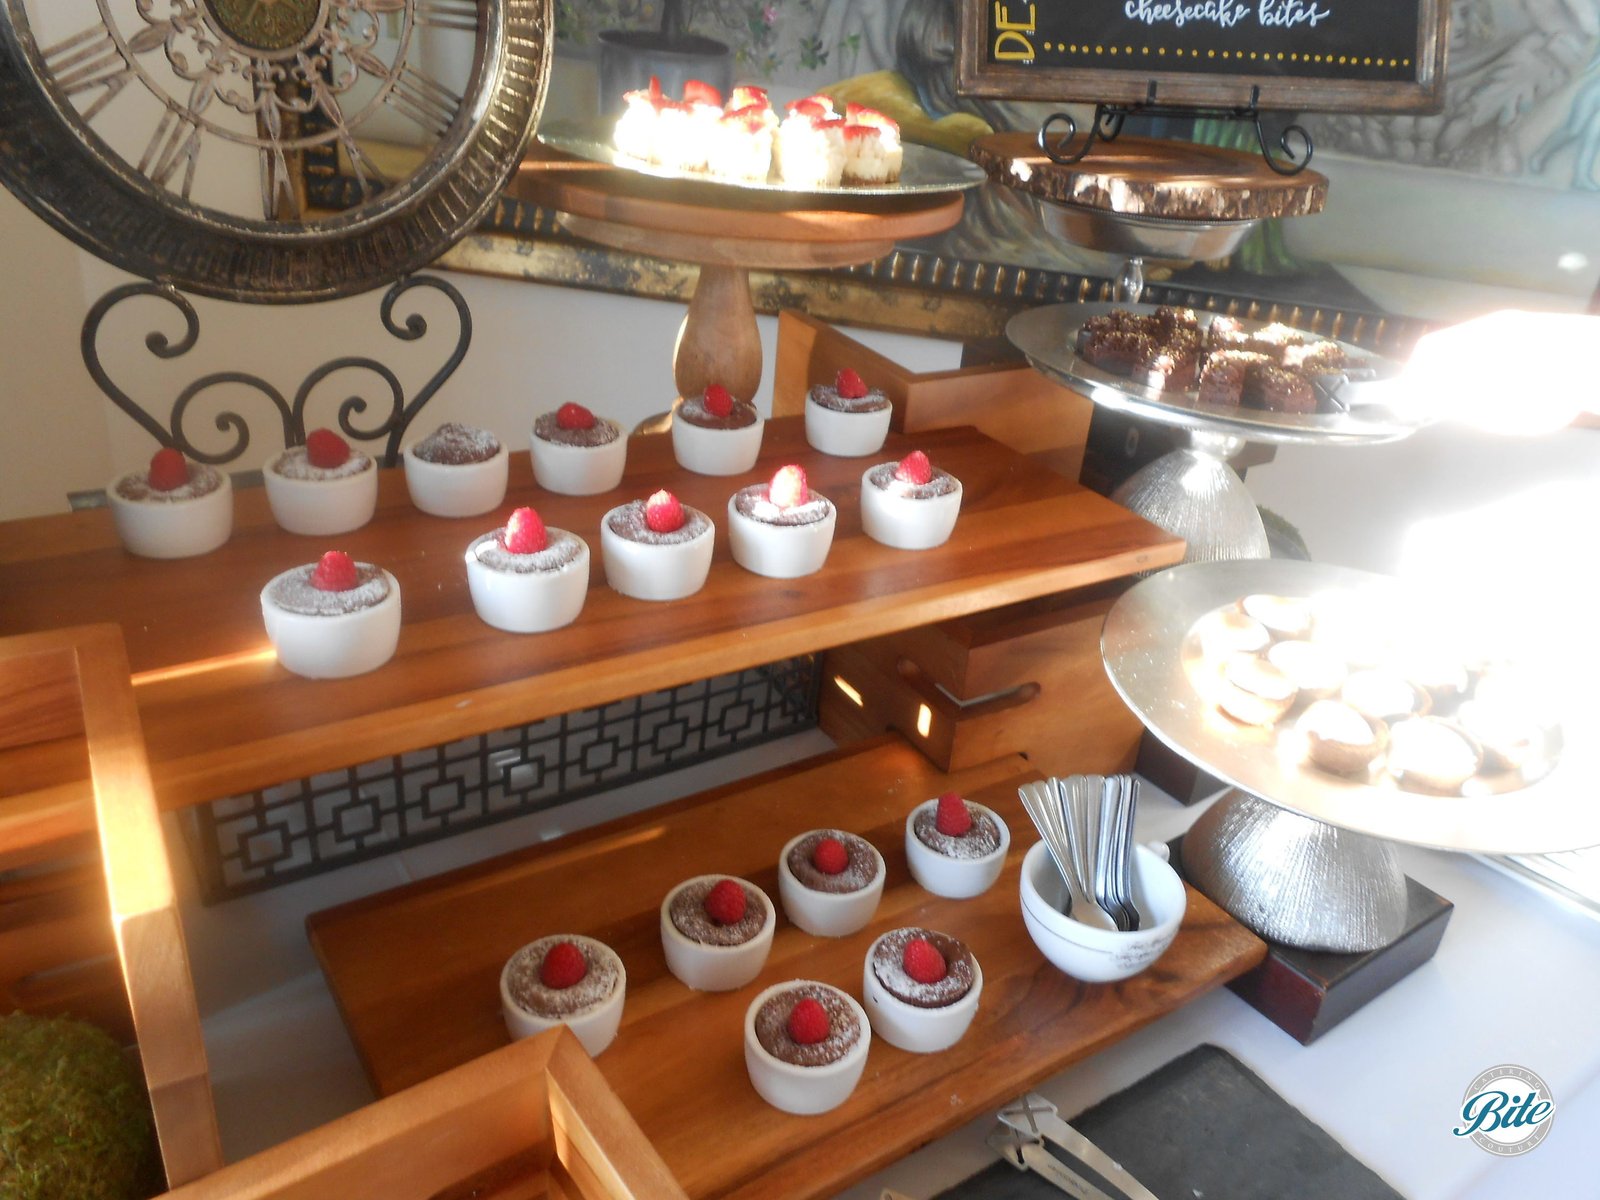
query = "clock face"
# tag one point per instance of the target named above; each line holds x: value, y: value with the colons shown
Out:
x: 175, y: 137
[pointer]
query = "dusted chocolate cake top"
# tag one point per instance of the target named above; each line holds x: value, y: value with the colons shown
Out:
x: 772, y: 1026
x: 294, y: 592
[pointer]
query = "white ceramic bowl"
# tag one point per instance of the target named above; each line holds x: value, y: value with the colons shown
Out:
x: 954, y: 878
x: 827, y: 914
x: 1099, y: 955
x: 716, y: 451
x: 337, y: 646
x: 579, y: 470
x: 707, y: 968
x: 780, y: 551
x: 919, y: 1030
x: 908, y: 524
x: 457, y: 489
x: 804, y: 1091
x: 530, y: 602
x: 846, y: 434
x: 596, y: 1027
x: 654, y: 572
x: 173, y: 528
x: 316, y: 507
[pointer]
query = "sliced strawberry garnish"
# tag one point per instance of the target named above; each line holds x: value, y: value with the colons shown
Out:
x: 336, y: 572
x: 697, y: 92
x: 168, y: 470
x: 525, y: 533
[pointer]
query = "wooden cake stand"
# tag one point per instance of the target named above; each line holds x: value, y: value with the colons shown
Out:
x: 728, y: 232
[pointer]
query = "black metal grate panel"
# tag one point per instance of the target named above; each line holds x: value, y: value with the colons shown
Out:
x: 243, y: 844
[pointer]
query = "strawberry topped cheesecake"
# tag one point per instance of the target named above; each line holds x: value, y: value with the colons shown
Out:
x: 955, y: 848
x: 656, y: 549
x: 920, y: 989
x: 333, y: 618
x: 911, y: 504
x: 322, y: 487
x: 564, y: 979
x: 716, y: 932
x: 830, y: 881
x: 457, y: 471
x: 527, y: 578
x: 847, y: 419
x: 173, y: 508
x: 805, y: 1045
x: 576, y: 453
x: 715, y: 434
x: 781, y: 529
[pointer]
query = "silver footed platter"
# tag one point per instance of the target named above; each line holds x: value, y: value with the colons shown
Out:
x: 1366, y: 406
x: 1154, y: 657
x: 924, y: 171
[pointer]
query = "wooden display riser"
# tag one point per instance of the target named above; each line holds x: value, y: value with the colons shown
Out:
x: 415, y: 970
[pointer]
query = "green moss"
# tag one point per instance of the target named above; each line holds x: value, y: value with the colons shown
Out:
x: 74, y: 1119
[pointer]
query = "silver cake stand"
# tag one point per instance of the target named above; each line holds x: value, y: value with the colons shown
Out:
x: 1193, y: 492
x: 1302, y: 857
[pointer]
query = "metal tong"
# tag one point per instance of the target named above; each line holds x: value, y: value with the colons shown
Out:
x: 1025, y: 1128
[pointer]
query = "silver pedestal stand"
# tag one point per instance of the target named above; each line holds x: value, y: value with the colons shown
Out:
x: 1302, y: 857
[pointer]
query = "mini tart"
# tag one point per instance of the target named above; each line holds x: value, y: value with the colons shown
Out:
x: 1339, y: 739
x: 957, y: 868
x: 1253, y: 691
x: 711, y: 445
x: 332, y: 635
x: 1509, y: 738
x: 922, y: 1018
x: 591, y: 1008
x: 1316, y: 670
x: 316, y: 501
x: 844, y: 427
x: 780, y: 543
x: 528, y: 593
x: 655, y: 566
x: 1443, y: 676
x: 1429, y: 754
x: 578, y: 462
x: 1384, y: 695
x: 830, y: 905
x: 709, y: 957
x: 909, y: 516
x: 1281, y: 616
x: 805, y: 1079
x: 1226, y: 631
x: 187, y: 521
x: 457, y: 471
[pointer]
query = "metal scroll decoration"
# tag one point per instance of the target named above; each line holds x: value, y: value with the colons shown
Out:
x: 291, y: 412
x: 133, y: 133
x: 1294, y: 149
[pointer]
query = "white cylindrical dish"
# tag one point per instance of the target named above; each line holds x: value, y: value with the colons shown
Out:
x: 173, y: 528
x: 531, y: 601
x: 919, y: 1030
x: 579, y: 470
x: 779, y: 551
x: 1099, y: 955
x: 596, y: 1027
x: 716, y: 451
x: 651, y: 571
x: 908, y: 524
x: 846, y: 434
x: 827, y: 914
x: 804, y: 1091
x: 954, y: 878
x: 338, y: 645
x: 316, y: 507
x: 708, y: 968
x: 457, y: 489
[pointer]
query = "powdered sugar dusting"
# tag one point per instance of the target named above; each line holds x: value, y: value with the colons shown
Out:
x: 529, y: 991
x: 828, y: 396
x: 755, y: 502
x: 694, y: 410
x: 562, y: 548
x: 981, y: 840
x: 860, y: 870
x: 888, y: 964
x: 293, y: 464
x: 203, y: 480
x: 688, y: 914
x: 454, y: 444
x: 628, y: 521
x: 883, y: 478
x: 547, y: 427
x: 293, y: 592
x: 772, y: 1026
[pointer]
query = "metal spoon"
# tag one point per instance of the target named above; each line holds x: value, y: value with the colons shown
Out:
x: 1070, y: 796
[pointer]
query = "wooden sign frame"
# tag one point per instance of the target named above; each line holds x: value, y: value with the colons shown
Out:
x: 1166, y: 82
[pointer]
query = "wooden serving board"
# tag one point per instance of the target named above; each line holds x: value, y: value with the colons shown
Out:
x: 415, y: 972
x: 221, y: 716
x: 1153, y: 178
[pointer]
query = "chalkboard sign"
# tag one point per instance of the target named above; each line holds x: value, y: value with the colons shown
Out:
x: 1303, y: 55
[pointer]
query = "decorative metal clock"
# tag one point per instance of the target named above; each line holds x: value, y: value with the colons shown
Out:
x: 167, y: 136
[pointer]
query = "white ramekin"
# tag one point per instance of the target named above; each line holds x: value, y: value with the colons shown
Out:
x: 530, y: 602
x: 804, y: 1091
x: 457, y: 489
x: 173, y: 528
x: 780, y: 551
x: 716, y: 451
x: 846, y: 434
x: 337, y: 645
x: 647, y: 571
x: 707, y: 968
x: 905, y: 523
x: 954, y: 878
x: 919, y: 1030
x: 579, y: 470
x: 596, y: 1027
x: 827, y: 914
x: 316, y: 507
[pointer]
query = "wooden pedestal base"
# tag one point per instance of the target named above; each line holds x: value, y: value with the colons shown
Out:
x: 1306, y: 992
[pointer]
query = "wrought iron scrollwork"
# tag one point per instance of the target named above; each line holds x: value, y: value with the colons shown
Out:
x: 292, y: 414
x: 1294, y: 147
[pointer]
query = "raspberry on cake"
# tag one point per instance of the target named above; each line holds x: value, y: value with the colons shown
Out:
x: 322, y: 487
x: 847, y: 418
x: 656, y: 549
x: 781, y: 529
x: 173, y: 508
x: 830, y: 881
x: 805, y: 1045
x: 332, y: 618
x: 457, y: 471
x: 564, y: 979
x: 715, y: 433
x: 716, y: 931
x: 527, y: 577
x: 954, y: 847
x: 920, y: 989
x: 910, y: 504
x: 576, y: 453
